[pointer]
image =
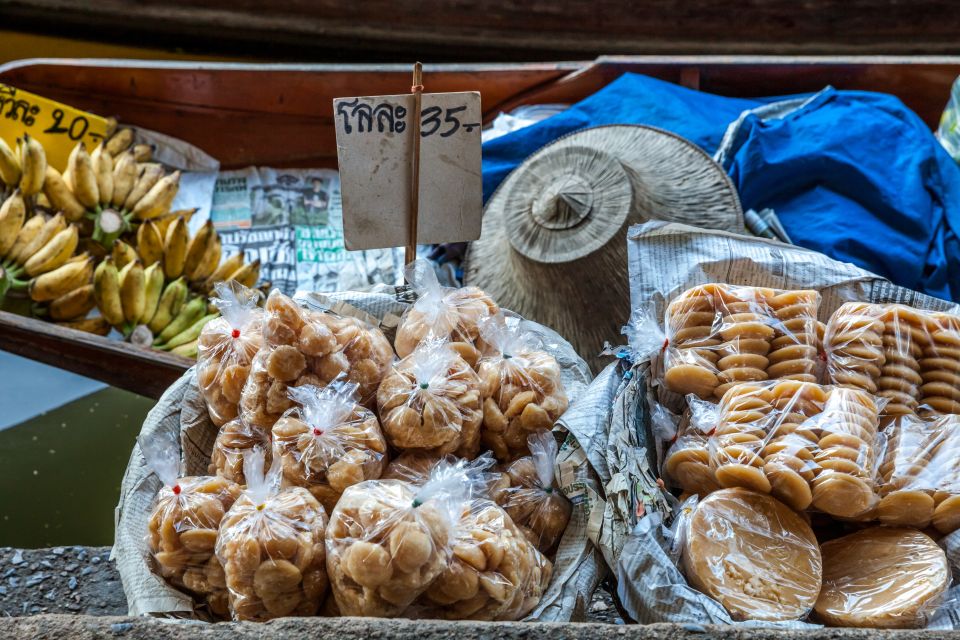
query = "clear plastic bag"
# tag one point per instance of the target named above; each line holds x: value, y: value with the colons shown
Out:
x: 226, y: 347
x: 687, y: 460
x: 520, y: 385
x: 882, y: 577
x: 271, y: 547
x: 919, y: 479
x: 328, y: 442
x: 388, y: 540
x: 753, y: 555
x: 412, y: 466
x: 719, y: 335
x: 908, y: 356
x: 430, y: 402
x: 304, y: 347
x: 182, y: 529
x: 234, y: 440
x: 533, y: 501
x: 807, y: 444
x: 442, y: 313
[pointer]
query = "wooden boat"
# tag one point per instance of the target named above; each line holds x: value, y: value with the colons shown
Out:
x: 282, y: 116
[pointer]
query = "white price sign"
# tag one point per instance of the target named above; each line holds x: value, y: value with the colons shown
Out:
x: 375, y: 153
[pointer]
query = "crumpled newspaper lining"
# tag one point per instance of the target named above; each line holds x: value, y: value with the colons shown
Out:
x: 650, y: 586
x: 578, y: 567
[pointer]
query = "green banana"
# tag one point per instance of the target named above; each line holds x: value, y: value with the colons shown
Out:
x: 190, y: 313
x: 188, y: 350
x: 189, y: 334
x: 169, y: 306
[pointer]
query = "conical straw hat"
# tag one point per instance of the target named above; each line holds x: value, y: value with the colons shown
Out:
x: 553, y: 242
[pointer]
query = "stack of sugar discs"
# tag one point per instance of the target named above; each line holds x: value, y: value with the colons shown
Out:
x: 739, y: 438
x: 854, y: 345
x: 848, y: 425
x: 794, y: 350
x: 687, y: 464
x: 746, y: 332
x: 904, y: 338
x: 791, y: 443
x: 691, y: 364
x: 940, y: 365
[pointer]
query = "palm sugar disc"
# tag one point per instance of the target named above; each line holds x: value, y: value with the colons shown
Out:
x: 754, y: 555
x: 882, y: 577
x: 553, y: 241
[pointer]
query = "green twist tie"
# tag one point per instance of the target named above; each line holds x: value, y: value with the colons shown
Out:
x: 424, y: 385
x: 416, y: 503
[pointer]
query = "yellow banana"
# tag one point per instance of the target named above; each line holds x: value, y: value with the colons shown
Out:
x: 98, y: 325
x: 148, y: 176
x: 132, y: 293
x: 157, y: 201
x: 152, y: 289
x: 209, y: 262
x: 163, y: 222
x: 9, y: 165
x: 123, y: 254
x: 103, y: 169
x: 74, y: 304
x: 61, y: 197
x: 143, y: 152
x: 175, y: 249
x: 120, y: 141
x: 149, y: 243
x: 67, y: 175
x: 111, y: 127
x: 33, y: 166
x: 197, y: 248
x: 226, y: 269
x: 84, y: 178
x: 13, y: 212
x: 248, y: 274
x: 106, y: 290
x: 125, y: 173
x: 50, y: 228
x: 61, y: 281
x: 30, y: 230
x: 53, y: 254
x: 171, y: 302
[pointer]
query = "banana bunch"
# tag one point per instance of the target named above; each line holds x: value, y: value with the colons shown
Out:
x: 24, y: 169
x: 112, y: 186
x: 37, y: 254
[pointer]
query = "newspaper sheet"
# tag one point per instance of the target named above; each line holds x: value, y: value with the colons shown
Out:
x: 650, y: 586
x: 578, y: 566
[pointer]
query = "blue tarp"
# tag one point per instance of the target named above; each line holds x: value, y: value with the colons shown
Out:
x: 855, y: 175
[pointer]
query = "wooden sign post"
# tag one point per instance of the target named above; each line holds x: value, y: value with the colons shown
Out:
x: 408, y: 180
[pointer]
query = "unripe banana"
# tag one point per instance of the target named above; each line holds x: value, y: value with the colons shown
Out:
x: 171, y: 302
x: 209, y: 261
x: 30, y: 230
x: 157, y: 201
x: 226, y: 269
x: 13, y: 212
x: 143, y: 152
x: 248, y: 274
x: 103, y: 169
x: 53, y: 254
x: 98, y: 325
x: 50, y: 228
x: 33, y: 166
x: 149, y: 243
x: 9, y: 165
x: 125, y: 173
x: 175, y: 249
x: 75, y: 304
x: 123, y: 254
x: 190, y: 313
x: 132, y: 293
x: 61, y: 197
x: 120, y: 141
x: 106, y: 289
x: 148, y: 176
x: 191, y: 333
x: 84, y: 178
x: 196, y: 249
x: 152, y: 290
x: 188, y: 350
x: 61, y: 281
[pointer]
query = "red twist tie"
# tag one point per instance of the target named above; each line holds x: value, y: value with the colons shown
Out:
x: 666, y: 343
x: 317, y: 432
x: 711, y: 432
x: 235, y: 333
x: 417, y: 88
x: 176, y: 489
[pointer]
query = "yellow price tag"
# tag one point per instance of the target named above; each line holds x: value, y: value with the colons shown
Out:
x: 58, y: 127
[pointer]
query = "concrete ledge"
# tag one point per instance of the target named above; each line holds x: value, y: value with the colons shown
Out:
x: 61, y: 627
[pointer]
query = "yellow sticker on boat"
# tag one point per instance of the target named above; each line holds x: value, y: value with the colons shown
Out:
x: 58, y: 127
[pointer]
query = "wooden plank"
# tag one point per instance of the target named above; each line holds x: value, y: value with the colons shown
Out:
x: 500, y: 29
x: 143, y: 371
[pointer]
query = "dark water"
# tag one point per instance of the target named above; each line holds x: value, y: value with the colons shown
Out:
x: 60, y: 471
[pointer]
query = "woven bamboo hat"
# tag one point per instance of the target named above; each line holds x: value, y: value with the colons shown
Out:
x: 553, y: 242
